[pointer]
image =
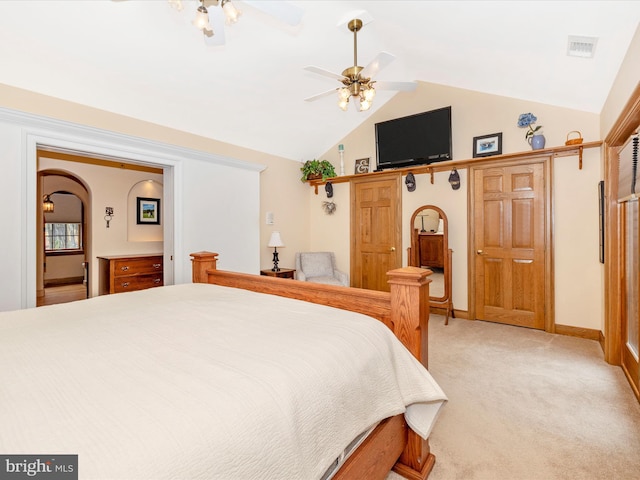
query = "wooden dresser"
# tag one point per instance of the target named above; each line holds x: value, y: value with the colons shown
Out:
x: 126, y: 273
x: 431, y: 250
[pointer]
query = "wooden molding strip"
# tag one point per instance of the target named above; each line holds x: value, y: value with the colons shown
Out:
x: 70, y: 157
x: 561, y: 151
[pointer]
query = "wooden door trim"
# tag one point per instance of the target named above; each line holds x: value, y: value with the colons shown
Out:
x: 394, y: 176
x: 621, y: 130
x: 547, y: 163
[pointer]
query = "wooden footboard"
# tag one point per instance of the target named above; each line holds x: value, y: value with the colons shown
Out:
x: 405, y: 310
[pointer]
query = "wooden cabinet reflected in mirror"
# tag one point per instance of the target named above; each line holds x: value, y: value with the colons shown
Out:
x: 430, y: 249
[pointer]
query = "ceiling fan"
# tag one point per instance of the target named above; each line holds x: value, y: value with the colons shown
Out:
x: 211, y: 20
x: 356, y: 80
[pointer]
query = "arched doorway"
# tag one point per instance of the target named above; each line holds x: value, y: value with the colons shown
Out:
x: 64, y: 244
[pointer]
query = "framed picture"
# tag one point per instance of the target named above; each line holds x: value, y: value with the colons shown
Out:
x: 148, y: 211
x: 362, y: 166
x: 487, y: 145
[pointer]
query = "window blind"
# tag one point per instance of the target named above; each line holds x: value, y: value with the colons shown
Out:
x: 626, y: 181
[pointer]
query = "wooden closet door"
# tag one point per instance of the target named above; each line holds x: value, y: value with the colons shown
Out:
x: 509, y: 244
x: 375, y: 230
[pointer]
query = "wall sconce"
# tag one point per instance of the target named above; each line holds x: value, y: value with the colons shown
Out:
x: 108, y: 215
x: 275, y: 241
x: 47, y: 204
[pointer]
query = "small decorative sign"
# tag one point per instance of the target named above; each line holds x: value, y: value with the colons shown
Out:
x: 362, y: 166
x: 148, y: 211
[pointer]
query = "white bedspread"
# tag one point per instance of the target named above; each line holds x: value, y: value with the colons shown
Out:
x: 201, y: 381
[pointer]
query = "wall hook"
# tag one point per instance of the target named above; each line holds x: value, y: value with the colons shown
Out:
x: 108, y: 215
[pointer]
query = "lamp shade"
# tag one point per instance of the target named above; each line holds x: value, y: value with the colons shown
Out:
x: 275, y: 240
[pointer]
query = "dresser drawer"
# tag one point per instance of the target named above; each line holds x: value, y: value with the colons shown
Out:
x: 126, y: 273
x: 133, y: 266
x: 137, y: 282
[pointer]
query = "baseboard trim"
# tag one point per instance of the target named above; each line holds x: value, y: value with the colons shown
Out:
x: 601, y: 341
x: 56, y: 282
x: 456, y: 313
x: 581, y: 332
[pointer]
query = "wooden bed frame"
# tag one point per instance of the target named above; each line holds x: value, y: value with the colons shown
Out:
x: 405, y: 310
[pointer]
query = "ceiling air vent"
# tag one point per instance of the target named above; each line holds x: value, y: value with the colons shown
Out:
x: 581, y: 46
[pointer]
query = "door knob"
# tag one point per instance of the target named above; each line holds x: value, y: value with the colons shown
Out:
x: 392, y: 249
x: 479, y: 252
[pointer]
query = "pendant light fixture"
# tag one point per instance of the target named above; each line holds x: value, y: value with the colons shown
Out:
x: 47, y: 204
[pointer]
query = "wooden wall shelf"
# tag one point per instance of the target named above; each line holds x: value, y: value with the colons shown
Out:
x: 561, y: 151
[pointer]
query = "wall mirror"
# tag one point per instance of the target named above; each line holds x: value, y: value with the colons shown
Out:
x: 430, y: 249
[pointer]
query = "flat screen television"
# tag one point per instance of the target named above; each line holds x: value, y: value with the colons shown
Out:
x: 418, y: 139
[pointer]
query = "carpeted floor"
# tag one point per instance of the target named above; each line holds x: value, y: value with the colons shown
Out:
x: 528, y: 405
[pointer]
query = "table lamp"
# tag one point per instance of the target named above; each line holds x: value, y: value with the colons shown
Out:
x: 275, y: 241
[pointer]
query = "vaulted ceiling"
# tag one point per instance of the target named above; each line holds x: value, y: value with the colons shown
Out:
x: 144, y: 59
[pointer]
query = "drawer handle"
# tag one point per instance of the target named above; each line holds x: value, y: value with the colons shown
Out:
x: 157, y: 280
x: 125, y: 284
x: 157, y: 265
x: 124, y: 269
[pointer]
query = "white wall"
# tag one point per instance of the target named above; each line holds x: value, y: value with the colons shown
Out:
x: 13, y: 234
x: 626, y: 81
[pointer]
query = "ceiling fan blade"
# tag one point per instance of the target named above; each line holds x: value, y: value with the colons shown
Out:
x: 382, y: 60
x: 320, y: 95
x: 284, y: 11
x: 216, y: 20
x: 323, y: 72
x: 401, y: 86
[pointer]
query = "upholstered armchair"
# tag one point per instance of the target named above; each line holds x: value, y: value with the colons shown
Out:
x: 319, y: 267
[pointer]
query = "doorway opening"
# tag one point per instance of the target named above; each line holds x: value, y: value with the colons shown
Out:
x: 73, y: 236
x: 63, y: 245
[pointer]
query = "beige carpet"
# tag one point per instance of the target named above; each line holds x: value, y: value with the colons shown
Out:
x: 528, y: 405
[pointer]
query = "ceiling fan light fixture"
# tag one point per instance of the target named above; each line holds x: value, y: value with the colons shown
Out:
x: 202, y: 19
x: 368, y: 94
x: 364, y: 105
x: 230, y: 11
x: 343, y: 104
x: 177, y: 4
x: 344, y: 93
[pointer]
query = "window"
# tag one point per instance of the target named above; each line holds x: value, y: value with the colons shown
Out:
x: 63, y: 237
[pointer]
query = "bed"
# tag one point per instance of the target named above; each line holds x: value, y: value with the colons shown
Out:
x: 231, y: 377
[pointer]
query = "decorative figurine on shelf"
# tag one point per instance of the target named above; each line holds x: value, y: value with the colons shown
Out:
x: 535, y: 139
x: 341, y: 152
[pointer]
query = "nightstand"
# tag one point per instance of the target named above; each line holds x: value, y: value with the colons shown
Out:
x: 282, y: 273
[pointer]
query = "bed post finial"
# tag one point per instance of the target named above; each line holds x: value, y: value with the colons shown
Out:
x: 200, y: 263
x: 410, y: 308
